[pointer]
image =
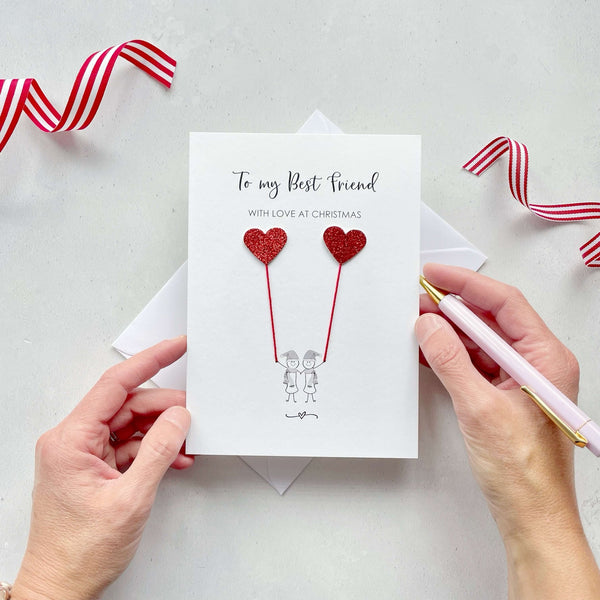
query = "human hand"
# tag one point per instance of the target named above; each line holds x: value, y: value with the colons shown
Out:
x: 522, y: 462
x: 88, y: 516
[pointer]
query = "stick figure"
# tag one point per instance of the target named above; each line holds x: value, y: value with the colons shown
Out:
x: 290, y: 377
x: 309, y: 362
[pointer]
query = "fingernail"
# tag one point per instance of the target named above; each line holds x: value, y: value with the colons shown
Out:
x: 426, y: 325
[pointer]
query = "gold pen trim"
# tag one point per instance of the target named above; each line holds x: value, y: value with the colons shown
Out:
x: 577, y: 438
x: 433, y: 292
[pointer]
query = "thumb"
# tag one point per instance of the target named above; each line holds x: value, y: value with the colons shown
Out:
x: 446, y: 354
x: 158, y: 450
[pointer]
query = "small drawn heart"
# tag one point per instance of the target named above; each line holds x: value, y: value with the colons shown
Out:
x: 344, y: 246
x: 302, y: 414
x: 265, y: 246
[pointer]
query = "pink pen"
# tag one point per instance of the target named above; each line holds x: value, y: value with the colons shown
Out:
x: 578, y: 427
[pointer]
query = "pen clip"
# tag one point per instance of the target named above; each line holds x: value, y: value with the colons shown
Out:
x: 577, y: 438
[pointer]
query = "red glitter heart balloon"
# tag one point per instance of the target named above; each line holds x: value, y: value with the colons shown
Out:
x: 265, y: 246
x: 342, y: 245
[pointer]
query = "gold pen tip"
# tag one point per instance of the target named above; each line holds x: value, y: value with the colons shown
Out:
x: 433, y: 292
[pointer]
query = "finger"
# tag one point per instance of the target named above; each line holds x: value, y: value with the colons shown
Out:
x: 513, y: 313
x: 108, y: 395
x: 126, y: 453
x: 479, y: 358
x: 157, y: 451
x: 482, y: 362
x: 145, y: 402
x: 426, y: 305
x: 447, y: 356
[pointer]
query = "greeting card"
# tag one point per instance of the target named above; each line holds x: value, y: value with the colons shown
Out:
x: 302, y: 294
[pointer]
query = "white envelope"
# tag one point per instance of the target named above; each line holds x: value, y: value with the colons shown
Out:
x: 165, y: 316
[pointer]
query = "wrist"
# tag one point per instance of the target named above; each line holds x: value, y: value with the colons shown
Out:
x: 551, y: 559
x: 38, y: 580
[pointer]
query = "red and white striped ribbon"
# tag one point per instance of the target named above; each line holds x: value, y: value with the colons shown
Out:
x: 25, y: 95
x: 518, y: 166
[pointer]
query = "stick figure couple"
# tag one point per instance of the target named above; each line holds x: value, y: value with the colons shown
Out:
x: 290, y: 377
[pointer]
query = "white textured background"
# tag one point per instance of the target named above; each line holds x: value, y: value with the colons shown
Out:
x: 93, y: 223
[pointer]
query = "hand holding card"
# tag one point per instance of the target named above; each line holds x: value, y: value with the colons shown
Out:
x: 165, y: 316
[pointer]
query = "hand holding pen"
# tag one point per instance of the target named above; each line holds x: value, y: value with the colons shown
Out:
x: 521, y: 460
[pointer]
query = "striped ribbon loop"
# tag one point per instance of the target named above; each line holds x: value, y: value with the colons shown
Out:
x: 518, y: 167
x: 19, y: 96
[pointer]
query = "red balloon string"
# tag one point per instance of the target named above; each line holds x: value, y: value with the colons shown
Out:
x: 271, y: 311
x: 337, y: 284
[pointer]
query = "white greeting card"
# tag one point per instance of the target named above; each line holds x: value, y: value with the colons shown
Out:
x: 302, y: 294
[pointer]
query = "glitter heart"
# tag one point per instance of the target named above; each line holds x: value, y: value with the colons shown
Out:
x: 265, y: 246
x: 344, y: 246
